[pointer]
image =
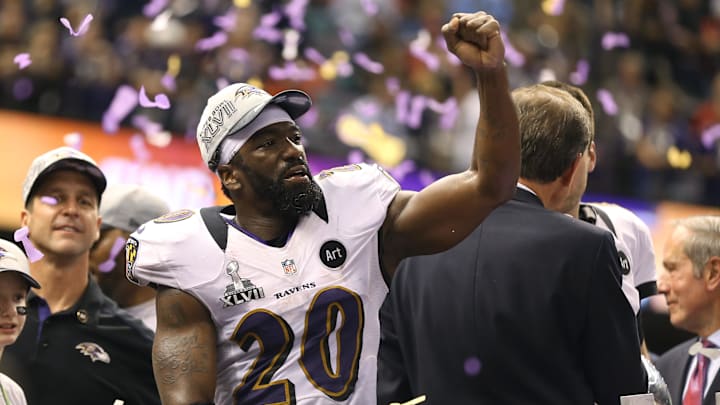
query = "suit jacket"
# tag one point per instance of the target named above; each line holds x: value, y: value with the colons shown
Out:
x: 674, y: 365
x: 528, y: 309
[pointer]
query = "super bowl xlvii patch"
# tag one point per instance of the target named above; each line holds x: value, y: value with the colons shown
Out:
x: 94, y: 351
x: 241, y: 290
x: 174, y: 216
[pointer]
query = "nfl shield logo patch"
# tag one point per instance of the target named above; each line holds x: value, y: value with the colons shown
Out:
x: 289, y: 266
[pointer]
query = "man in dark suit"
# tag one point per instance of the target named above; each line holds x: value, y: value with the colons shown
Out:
x: 690, y: 281
x: 528, y: 309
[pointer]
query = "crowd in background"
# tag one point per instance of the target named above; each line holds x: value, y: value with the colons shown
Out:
x: 650, y: 67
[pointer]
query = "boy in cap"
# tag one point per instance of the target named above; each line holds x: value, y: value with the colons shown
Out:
x: 280, y: 305
x: 15, y: 282
x: 124, y: 208
x: 71, y: 324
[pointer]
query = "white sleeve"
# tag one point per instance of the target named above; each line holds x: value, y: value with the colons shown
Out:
x: 645, y: 274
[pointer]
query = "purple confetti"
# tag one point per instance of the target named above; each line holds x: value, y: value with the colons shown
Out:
x: 392, y: 84
x: 426, y: 177
x: 309, y: 119
x: 557, y: 7
x: 46, y: 199
x: 295, y: 11
x: 401, y: 106
x: 217, y: 40
x: 22, y: 60
x: 82, y: 29
x: 346, y: 37
x: 580, y: 75
x: 124, y: 101
x: 238, y: 55
x: 607, y: 101
x: 266, y: 30
x: 161, y: 100
x: 139, y: 148
x: 612, y: 40
x: 511, y: 54
x: 227, y: 21
x: 22, y: 88
x: 414, y: 117
x: 449, y: 111
x: 429, y: 59
x: 367, y: 109
x: 472, y: 366
x: 154, y: 7
x: 344, y: 69
x: 221, y: 83
x: 371, y: 8
x: 355, y: 156
x: 366, y: 63
x: 109, y: 264
x: 400, y: 171
x: 21, y: 235
x: 314, y: 56
x: 291, y: 71
x: 710, y: 135
x: 168, y: 82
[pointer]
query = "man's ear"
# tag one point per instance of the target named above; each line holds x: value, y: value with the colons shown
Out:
x: 592, y: 153
x: 712, y: 273
x: 24, y: 217
x: 567, y: 177
x: 228, y: 177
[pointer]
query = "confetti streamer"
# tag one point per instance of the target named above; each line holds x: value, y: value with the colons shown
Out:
x: 346, y: 37
x: 295, y: 11
x: 472, y: 366
x: 124, y: 101
x: 553, y: 7
x: 82, y: 29
x: 414, y: 401
x: 227, y: 21
x: 266, y: 30
x: 139, y: 148
x: 448, y: 111
x: 73, y: 140
x: 238, y: 55
x: 108, y: 265
x: 371, y: 8
x: 161, y: 100
x: 314, y: 56
x: 580, y: 75
x: 414, y: 116
x: 154, y: 7
x: 612, y: 40
x: 168, y: 82
x: 46, y: 199
x: 22, y: 60
x: 215, y: 41
x: 355, y: 156
x: 366, y: 63
x: 419, y: 48
x: 607, y: 101
x: 291, y: 71
x: 710, y: 136
x: 21, y: 235
x: 511, y: 54
x: 400, y: 171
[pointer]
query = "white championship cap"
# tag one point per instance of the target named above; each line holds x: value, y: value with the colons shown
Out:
x: 63, y: 157
x: 127, y: 206
x: 233, y: 108
x: 13, y: 259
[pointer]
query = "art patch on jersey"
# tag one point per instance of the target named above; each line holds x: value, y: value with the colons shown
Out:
x: 289, y: 267
x: 131, y: 251
x: 290, y: 291
x: 241, y: 290
x: 174, y: 216
x: 333, y: 254
x: 624, y: 263
x: 94, y: 351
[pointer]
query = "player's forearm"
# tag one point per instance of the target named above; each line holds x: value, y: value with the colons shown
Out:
x: 184, y: 368
x: 496, y: 153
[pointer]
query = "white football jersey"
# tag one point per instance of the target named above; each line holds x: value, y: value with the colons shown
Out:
x: 634, y: 245
x: 295, y: 324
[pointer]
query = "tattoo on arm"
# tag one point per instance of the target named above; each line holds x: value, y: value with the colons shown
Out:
x: 176, y: 357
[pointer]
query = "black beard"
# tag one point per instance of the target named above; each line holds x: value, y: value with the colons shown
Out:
x: 291, y: 202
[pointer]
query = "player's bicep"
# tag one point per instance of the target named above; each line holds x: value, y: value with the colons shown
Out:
x: 184, y: 350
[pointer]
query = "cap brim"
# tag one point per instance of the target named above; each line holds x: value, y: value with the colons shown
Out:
x: 294, y: 102
x: 33, y: 283
x: 93, y: 172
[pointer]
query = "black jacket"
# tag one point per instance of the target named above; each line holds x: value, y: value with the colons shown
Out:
x: 528, y: 309
x: 93, y: 353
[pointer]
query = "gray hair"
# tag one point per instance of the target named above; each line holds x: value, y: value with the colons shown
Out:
x: 703, y: 241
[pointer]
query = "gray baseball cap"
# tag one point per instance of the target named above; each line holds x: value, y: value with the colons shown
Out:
x: 127, y: 206
x: 13, y: 259
x: 66, y: 158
